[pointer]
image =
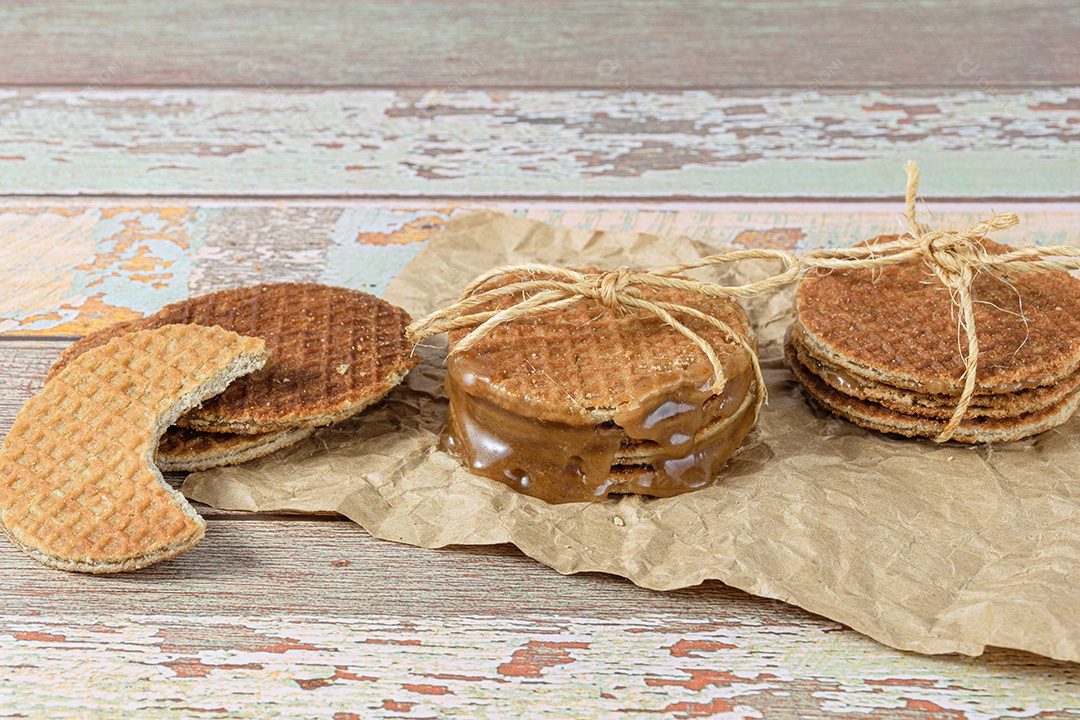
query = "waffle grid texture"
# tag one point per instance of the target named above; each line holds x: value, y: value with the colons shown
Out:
x: 184, y: 450
x: 333, y: 352
x: 898, y: 325
x: 78, y: 488
x: 882, y: 348
x: 581, y: 363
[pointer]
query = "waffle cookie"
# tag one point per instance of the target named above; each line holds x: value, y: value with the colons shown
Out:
x: 584, y: 402
x: 184, y: 450
x: 333, y: 352
x: 880, y: 348
x: 78, y: 487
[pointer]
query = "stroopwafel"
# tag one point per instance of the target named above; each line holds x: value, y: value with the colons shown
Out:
x: 184, y: 450
x: 333, y: 352
x: 587, y: 401
x: 880, y: 347
x: 78, y: 487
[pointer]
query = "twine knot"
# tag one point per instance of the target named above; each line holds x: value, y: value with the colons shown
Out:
x: 611, y: 285
x: 955, y: 257
x: 950, y: 254
x: 546, y: 288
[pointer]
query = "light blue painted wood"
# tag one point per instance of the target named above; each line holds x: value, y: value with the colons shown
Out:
x: 539, y: 144
x: 72, y: 268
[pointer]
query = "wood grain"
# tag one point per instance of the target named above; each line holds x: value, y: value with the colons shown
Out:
x: 978, y: 143
x: 371, y: 666
x: 538, y: 43
x: 319, y: 616
x: 335, y: 569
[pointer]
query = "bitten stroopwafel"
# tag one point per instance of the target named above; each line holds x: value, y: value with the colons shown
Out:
x: 880, y: 347
x: 590, y: 400
x: 78, y: 486
x: 333, y: 352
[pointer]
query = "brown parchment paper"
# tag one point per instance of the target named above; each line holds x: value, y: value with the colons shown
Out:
x: 923, y: 547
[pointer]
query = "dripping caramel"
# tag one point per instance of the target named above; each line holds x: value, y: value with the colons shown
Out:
x: 673, y: 436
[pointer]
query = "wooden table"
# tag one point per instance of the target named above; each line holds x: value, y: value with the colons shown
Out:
x: 151, y: 151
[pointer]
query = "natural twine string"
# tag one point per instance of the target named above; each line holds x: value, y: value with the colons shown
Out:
x: 622, y: 290
x: 955, y: 257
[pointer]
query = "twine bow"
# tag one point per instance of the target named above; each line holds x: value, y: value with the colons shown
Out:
x: 955, y: 257
x: 622, y: 290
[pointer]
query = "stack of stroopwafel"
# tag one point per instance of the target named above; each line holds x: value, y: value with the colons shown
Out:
x: 880, y: 347
x: 586, y: 401
x: 333, y: 352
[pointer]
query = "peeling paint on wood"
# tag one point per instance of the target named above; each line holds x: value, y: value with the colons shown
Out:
x: 972, y: 143
x: 74, y: 268
x: 70, y: 273
x: 381, y: 667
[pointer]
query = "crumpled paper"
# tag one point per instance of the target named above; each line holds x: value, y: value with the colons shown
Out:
x: 924, y: 547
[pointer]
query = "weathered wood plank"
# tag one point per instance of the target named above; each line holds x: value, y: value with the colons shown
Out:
x: 335, y: 569
x: 362, y: 665
x: 532, y: 43
x: 23, y: 364
x: 73, y: 267
x: 971, y: 144
x: 306, y: 598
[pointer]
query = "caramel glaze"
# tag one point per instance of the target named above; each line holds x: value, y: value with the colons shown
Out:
x: 672, y: 438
